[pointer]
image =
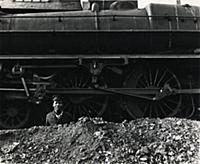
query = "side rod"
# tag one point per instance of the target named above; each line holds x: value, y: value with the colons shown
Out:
x: 143, y: 93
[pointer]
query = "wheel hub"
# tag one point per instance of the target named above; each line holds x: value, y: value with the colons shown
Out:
x: 78, y: 99
x: 12, y: 112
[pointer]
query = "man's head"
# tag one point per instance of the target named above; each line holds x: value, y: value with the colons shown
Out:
x: 57, y: 104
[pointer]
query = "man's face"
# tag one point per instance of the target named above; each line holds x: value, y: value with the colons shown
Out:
x: 57, y: 105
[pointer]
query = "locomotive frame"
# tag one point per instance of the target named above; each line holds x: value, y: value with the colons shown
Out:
x: 150, y: 63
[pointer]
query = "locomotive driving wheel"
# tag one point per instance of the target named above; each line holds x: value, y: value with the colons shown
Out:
x: 14, y: 114
x: 150, y: 78
x: 79, y: 105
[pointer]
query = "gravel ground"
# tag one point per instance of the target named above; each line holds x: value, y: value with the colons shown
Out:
x: 92, y: 140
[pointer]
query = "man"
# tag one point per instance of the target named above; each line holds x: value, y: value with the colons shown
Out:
x: 58, y: 116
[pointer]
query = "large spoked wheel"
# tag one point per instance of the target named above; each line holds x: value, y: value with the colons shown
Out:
x: 152, y: 78
x: 79, y: 105
x: 14, y: 114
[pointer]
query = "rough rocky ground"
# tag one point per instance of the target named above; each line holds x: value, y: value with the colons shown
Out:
x: 92, y: 140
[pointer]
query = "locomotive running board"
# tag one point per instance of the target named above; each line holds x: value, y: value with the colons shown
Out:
x: 98, y: 56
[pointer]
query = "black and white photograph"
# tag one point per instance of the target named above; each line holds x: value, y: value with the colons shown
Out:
x: 99, y: 82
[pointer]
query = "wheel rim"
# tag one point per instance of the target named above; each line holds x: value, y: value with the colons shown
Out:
x: 14, y: 114
x: 83, y: 105
x: 152, y: 78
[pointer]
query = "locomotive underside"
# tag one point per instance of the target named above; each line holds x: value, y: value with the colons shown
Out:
x: 115, y: 63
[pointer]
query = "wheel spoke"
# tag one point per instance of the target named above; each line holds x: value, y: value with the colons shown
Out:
x: 66, y: 83
x: 161, y: 108
x: 162, y: 77
x: 71, y: 108
x: 12, y: 122
x: 84, y: 84
x: 145, y: 78
x: 156, y: 75
x: 72, y: 84
x: 3, y: 115
x: 6, y: 120
x: 76, y: 82
x: 150, y: 110
x: 145, y: 110
x: 168, y: 106
x: 80, y: 82
x: 171, y: 101
x: 21, y: 114
x: 91, y: 107
x: 95, y: 102
x: 18, y: 119
x: 67, y: 106
x: 169, y: 80
x: 143, y: 85
x: 155, y: 108
x: 150, y: 78
x: 95, y: 112
x: 74, y: 112
x: 79, y: 109
x: 84, y: 109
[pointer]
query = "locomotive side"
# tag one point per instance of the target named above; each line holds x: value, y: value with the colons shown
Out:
x: 147, y: 58
x: 157, y: 28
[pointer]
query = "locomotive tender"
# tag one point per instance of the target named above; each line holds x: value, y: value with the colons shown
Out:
x: 96, y: 52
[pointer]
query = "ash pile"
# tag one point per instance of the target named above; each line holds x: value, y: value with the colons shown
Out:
x: 93, y: 140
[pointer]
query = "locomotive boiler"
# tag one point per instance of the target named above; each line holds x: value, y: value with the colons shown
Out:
x: 98, y: 55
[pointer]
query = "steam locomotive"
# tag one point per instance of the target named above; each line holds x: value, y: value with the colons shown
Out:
x: 96, y: 55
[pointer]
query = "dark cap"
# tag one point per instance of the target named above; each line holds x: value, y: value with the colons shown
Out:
x: 57, y: 98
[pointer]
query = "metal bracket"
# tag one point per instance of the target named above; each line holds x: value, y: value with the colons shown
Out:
x: 164, y: 92
x: 39, y: 93
x: 95, y: 70
x: 25, y: 87
x: 41, y: 87
x: 17, y: 70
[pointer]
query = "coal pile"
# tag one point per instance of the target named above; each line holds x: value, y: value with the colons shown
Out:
x: 93, y: 140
